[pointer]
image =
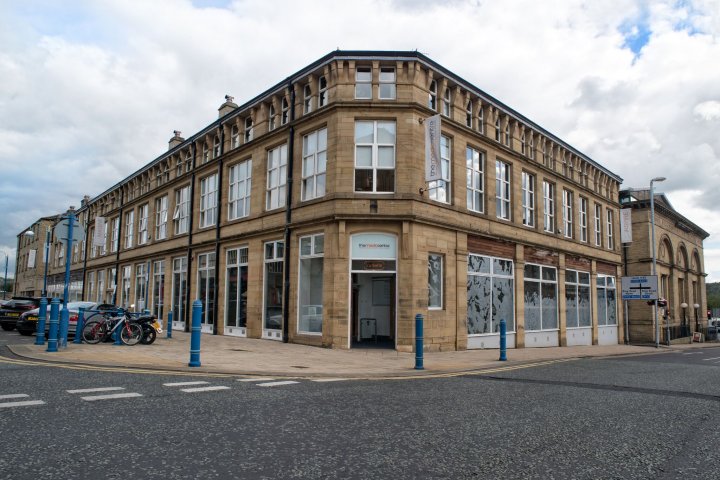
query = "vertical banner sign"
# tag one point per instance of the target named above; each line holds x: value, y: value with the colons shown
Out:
x: 432, y: 149
x: 99, y: 236
x: 626, y: 225
x: 31, y: 258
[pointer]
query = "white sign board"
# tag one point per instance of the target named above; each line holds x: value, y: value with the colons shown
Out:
x: 626, y: 225
x: 640, y: 288
x: 373, y: 246
x: 99, y: 236
x: 31, y: 258
x: 432, y: 149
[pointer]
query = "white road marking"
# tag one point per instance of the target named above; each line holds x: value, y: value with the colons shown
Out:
x: 183, y: 384
x: 713, y: 358
x: 91, y: 390
x: 14, y: 395
x: 327, y: 379
x: 276, y: 384
x: 25, y: 403
x: 205, y: 389
x: 256, y: 379
x: 693, y: 353
x: 111, y: 396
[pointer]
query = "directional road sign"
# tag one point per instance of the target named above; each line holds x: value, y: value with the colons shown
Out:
x: 640, y: 288
x: 61, y: 230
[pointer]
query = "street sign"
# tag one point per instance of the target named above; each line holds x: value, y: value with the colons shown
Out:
x: 640, y: 288
x: 61, y: 231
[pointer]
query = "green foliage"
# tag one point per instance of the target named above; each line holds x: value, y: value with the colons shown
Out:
x: 713, y: 294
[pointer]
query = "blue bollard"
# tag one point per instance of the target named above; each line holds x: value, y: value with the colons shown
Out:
x: 169, y: 324
x: 503, y: 341
x: 195, y: 335
x: 53, y: 333
x: 42, y: 316
x: 64, y: 325
x: 419, y: 342
x: 116, y: 333
x: 79, y: 325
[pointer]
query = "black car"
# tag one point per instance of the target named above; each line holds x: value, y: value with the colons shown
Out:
x: 11, y: 311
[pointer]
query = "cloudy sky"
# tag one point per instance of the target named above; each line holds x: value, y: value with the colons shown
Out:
x: 91, y: 90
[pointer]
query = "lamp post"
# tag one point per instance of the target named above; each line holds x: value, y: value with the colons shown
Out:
x: 697, y: 316
x: 5, y: 281
x: 654, y: 261
x: 684, y: 307
x: 47, y: 260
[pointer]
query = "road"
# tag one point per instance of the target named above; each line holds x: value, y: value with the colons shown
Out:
x: 641, y: 417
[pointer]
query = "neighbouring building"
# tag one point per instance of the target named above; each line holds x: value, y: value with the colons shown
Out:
x: 680, y: 268
x: 304, y: 215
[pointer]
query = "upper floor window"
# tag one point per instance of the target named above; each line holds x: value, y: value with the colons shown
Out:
x: 502, y: 190
x: 205, y: 152
x: 271, y: 118
x: 248, y: 129
x: 235, y: 136
x: 549, y: 206
x: 447, y: 98
x: 143, y: 213
x: 240, y: 186
x: 217, y: 147
x: 276, y: 177
x: 481, y: 121
x: 322, y: 92
x: 583, y: 219
x: 568, y: 213
x: 188, y: 161
x: 468, y: 114
x: 598, y: 227
x: 387, y: 83
x: 528, y: 199
x: 523, y: 146
x: 374, y: 156
x: 498, y: 134
x: 161, y: 208
x: 114, y: 234
x: 531, y: 146
x: 363, y: 83
x: 285, y: 114
x: 475, y: 181
x: 314, y: 164
x: 182, y: 210
x: 129, y: 228
x: 208, y: 200
x: 507, y: 134
x: 440, y: 189
x: 432, y: 96
x: 609, y: 230
x: 307, y: 99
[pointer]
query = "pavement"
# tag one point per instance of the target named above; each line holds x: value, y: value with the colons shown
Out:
x: 254, y: 357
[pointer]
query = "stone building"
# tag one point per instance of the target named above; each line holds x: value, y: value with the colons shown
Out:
x: 304, y: 215
x: 680, y: 268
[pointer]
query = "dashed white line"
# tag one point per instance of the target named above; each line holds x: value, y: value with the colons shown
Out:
x: 713, y: 358
x: 276, y: 384
x: 184, y: 384
x: 14, y: 395
x: 256, y: 379
x: 111, y: 396
x: 205, y: 389
x: 321, y: 380
x: 91, y: 390
x: 25, y: 403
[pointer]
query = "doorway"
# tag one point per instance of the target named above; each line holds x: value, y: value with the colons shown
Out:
x: 373, y: 307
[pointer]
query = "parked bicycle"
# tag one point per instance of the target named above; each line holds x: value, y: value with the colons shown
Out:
x: 98, y: 330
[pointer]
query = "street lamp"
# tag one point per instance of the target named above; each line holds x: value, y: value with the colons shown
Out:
x: 697, y: 316
x: 5, y: 282
x: 684, y: 307
x: 654, y: 261
x: 47, y: 260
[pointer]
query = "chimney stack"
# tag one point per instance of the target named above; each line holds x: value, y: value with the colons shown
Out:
x: 175, y: 140
x: 227, y: 107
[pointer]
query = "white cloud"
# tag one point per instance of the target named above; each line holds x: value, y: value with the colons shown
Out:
x: 92, y: 90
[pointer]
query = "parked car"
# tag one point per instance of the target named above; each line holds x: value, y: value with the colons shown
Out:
x: 11, y: 311
x: 27, y: 323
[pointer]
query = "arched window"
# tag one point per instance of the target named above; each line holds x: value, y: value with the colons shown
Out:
x: 322, y: 92
x: 307, y: 99
x: 481, y: 120
x: 497, y: 129
x: 468, y: 114
x: 216, y: 146
x: 446, y: 103
x: 285, y: 111
x: 432, y: 96
x: 271, y: 119
x: 235, y: 136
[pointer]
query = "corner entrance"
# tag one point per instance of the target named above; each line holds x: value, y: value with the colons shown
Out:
x: 373, y: 291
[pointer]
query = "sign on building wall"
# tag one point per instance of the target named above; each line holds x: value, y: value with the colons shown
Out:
x: 31, y: 258
x: 626, y: 225
x: 374, y: 246
x: 640, y: 287
x: 99, y: 236
x: 432, y: 149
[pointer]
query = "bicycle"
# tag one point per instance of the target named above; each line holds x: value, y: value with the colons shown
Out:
x: 96, y: 331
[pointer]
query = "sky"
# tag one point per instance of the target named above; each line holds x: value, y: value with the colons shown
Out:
x: 90, y: 91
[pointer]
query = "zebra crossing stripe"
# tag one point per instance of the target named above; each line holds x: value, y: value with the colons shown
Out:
x: 14, y: 395
x: 111, y: 396
x: 25, y: 403
x: 92, y: 390
x: 276, y: 384
x: 184, y: 384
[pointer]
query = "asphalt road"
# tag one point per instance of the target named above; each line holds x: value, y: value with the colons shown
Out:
x: 634, y: 417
